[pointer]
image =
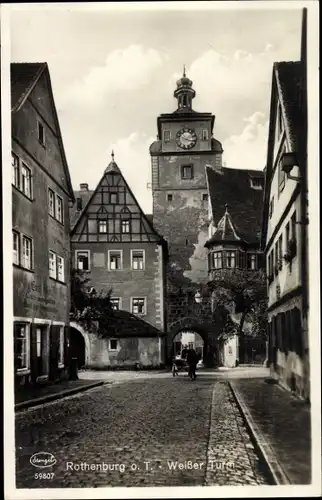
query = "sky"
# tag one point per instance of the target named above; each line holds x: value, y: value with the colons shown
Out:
x: 113, y: 72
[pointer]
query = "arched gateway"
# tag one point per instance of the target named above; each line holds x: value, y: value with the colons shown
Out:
x: 200, y: 335
x: 79, y: 344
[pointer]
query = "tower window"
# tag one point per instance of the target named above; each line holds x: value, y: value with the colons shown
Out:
x: 186, y: 171
x: 125, y: 226
x: 204, y: 135
x: 169, y: 197
x: 205, y: 197
x: 102, y: 226
x: 113, y: 198
x: 41, y: 133
x: 166, y: 135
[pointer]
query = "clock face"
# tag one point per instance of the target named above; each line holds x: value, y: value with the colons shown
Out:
x: 186, y: 138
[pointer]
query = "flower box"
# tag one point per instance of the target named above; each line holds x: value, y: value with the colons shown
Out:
x: 291, y: 251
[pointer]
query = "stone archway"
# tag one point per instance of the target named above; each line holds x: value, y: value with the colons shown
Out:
x: 79, y: 343
x: 204, y: 330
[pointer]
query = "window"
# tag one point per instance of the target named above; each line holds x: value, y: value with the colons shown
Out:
x: 51, y: 202
x: 114, y: 344
x: 83, y: 260
x: 138, y: 306
x: 241, y: 257
x: 102, y: 226
x: 186, y: 171
x: 60, y: 268
x: 230, y: 260
x: 79, y: 204
x: 271, y: 207
x: 252, y: 261
x: 59, y: 208
x: 26, y: 180
x: 16, y: 247
x: 217, y: 260
x: 287, y: 233
x: 256, y: 183
x: 52, y: 265
x: 281, y: 173
x: 113, y: 198
x: 125, y: 226
x: 114, y: 260
x: 204, y: 135
x: 280, y: 251
x: 26, y: 252
x: 169, y: 197
x: 293, y: 224
x: 166, y: 135
x: 138, y: 259
x: 41, y: 133
x: 15, y: 169
x: 21, y: 346
x: 205, y: 197
x: 115, y: 303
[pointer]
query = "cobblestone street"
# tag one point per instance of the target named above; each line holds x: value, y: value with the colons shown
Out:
x: 153, y: 432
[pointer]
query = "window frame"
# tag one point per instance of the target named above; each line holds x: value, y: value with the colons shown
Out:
x: 59, y: 218
x: 105, y: 222
x: 41, y: 128
x: 22, y: 187
x: 232, y: 254
x: 15, y: 166
x: 88, y: 257
x: 204, y: 134
x: 169, y: 197
x: 51, y: 192
x: 143, y: 259
x: 205, y: 197
x: 128, y: 226
x: 182, y: 169
x: 164, y: 135
x: 109, y: 252
x: 62, y: 263
x: 25, y: 368
x: 22, y: 261
x: 18, y: 251
x: 133, y: 305
x: 116, y: 194
x: 54, y: 260
x: 119, y: 304
x: 217, y: 257
x: 117, y: 344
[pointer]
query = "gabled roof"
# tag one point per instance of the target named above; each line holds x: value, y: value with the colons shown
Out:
x: 126, y: 324
x: 116, y: 169
x: 287, y: 81
x: 226, y: 231
x: 232, y: 187
x: 289, y: 78
x: 24, y: 77
x: 74, y: 213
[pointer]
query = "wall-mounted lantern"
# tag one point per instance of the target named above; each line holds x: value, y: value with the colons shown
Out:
x: 289, y: 161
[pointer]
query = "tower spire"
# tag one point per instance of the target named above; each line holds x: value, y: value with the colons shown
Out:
x: 184, y: 70
x: 112, y: 155
x: 184, y: 92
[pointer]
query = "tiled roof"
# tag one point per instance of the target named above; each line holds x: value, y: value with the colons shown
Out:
x: 289, y: 79
x: 226, y: 231
x: 233, y: 187
x: 126, y: 324
x: 74, y: 213
x: 23, y: 76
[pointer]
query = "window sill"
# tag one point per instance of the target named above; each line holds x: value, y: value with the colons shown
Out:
x: 19, y: 266
x: 23, y: 371
x: 55, y: 219
x: 113, y: 350
x: 132, y: 269
x: 57, y: 281
x: 23, y: 194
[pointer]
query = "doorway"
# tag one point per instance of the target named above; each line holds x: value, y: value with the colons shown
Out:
x: 42, y: 335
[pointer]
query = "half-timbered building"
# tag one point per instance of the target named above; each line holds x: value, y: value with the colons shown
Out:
x: 115, y: 243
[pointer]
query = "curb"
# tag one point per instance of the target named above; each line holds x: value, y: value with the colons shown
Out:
x: 52, y: 397
x: 265, y: 451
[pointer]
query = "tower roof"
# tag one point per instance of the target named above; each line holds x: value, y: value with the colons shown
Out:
x: 226, y: 230
x: 112, y: 166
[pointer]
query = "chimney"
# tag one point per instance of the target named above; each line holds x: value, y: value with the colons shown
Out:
x: 84, y: 187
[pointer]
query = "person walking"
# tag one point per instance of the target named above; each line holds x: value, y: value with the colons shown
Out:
x: 192, y: 361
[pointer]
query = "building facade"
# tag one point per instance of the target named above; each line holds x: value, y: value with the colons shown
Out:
x: 41, y: 192
x: 116, y: 245
x: 179, y: 157
x: 234, y: 254
x: 285, y: 226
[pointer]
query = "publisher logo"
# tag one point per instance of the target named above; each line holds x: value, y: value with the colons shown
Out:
x: 43, y: 459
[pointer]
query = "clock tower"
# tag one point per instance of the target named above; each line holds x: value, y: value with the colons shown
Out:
x: 179, y: 157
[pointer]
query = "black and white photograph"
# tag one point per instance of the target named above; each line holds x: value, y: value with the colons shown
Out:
x: 161, y: 291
